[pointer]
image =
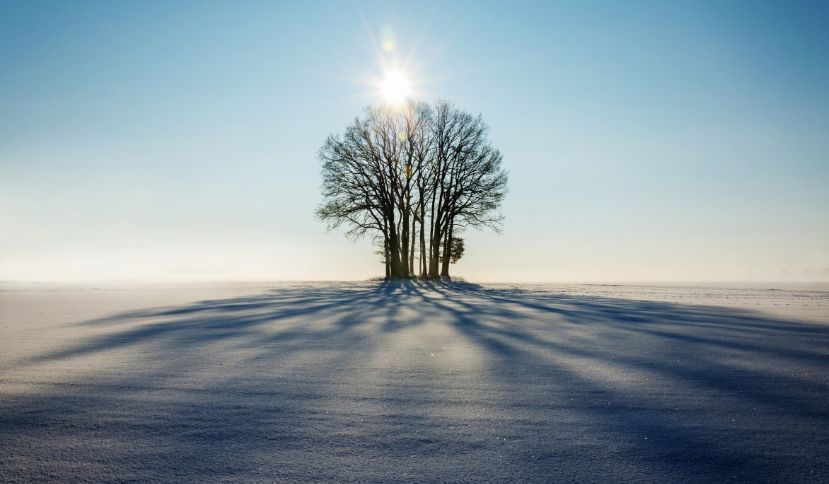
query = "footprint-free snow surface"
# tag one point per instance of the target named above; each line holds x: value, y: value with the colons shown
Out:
x: 410, y: 381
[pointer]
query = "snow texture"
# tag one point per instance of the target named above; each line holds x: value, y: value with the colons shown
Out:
x: 378, y: 382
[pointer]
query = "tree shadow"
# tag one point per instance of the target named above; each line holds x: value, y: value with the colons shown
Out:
x: 428, y: 381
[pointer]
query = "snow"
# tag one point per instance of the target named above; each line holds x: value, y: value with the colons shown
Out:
x: 371, y: 382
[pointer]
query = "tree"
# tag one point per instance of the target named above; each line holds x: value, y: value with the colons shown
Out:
x: 470, y: 183
x: 393, y: 171
x: 456, y: 250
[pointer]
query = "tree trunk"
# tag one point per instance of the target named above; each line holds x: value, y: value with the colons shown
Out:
x: 412, y: 248
x: 434, y: 260
x: 394, y: 247
x: 433, y: 267
x: 435, y: 243
x: 386, y: 252
x: 447, y: 250
x: 422, y: 240
x: 404, y: 246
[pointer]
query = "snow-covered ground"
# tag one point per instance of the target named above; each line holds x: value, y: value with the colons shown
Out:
x: 407, y: 381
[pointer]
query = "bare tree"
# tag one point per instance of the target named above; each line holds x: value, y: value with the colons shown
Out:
x: 470, y: 184
x: 393, y: 171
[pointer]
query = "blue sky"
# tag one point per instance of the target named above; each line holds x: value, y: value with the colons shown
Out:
x: 646, y: 141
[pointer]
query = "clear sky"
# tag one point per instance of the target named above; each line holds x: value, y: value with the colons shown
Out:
x: 646, y: 141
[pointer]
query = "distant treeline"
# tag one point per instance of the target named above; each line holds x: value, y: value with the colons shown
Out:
x: 413, y: 178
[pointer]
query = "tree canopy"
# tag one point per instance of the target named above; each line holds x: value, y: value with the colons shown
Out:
x: 413, y: 178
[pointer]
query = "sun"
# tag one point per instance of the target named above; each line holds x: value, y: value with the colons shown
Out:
x: 395, y: 88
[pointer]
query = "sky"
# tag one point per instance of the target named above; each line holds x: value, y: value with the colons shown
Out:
x: 645, y: 141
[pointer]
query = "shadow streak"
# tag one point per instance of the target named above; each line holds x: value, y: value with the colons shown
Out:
x: 307, y: 383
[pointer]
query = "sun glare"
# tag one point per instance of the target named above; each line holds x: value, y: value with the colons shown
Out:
x: 395, y: 88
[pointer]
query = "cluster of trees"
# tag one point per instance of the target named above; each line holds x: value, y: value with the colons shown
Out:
x: 413, y: 178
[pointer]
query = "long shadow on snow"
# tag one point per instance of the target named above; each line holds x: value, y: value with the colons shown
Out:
x: 537, y: 346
